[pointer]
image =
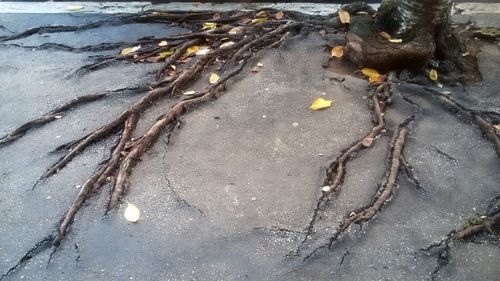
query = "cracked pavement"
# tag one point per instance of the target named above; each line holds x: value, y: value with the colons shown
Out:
x: 228, y: 196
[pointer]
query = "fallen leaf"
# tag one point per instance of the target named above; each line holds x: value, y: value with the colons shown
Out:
x: 132, y: 213
x: 203, y: 51
x: 433, y: 74
x: 216, y: 16
x: 344, y: 16
x: 209, y: 25
x: 152, y: 59
x: 394, y: 40
x: 261, y: 14
x: 75, y: 8
x: 213, y: 78
x: 279, y: 15
x: 189, y: 93
x: 376, y: 79
x: 322, y: 33
x: 385, y: 35
x: 236, y: 30
x: 227, y: 44
x: 371, y: 73
x: 191, y: 50
x: 367, y: 142
x: 337, y: 51
x: 163, y: 55
x: 185, y: 60
x: 130, y: 50
x: 320, y: 103
x: 258, y: 20
x: 497, y: 128
x: 171, y: 72
x: 163, y: 43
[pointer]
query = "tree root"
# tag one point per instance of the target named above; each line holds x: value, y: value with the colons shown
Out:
x: 482, y: 224
x: 229, y: 60
x: 59, y: 112
x: 486, y: 127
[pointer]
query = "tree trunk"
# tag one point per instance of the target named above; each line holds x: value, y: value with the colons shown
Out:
x: 424, y: 27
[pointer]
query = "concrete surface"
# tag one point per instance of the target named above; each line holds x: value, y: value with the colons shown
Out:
x: 229, y: 197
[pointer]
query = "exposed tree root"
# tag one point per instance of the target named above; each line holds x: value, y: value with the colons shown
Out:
x: 40, y: 246
x: 228, y: 60
x: 66, y: 48
x: 59, y: 112
x: 477, y: 117
x: 337, y: 169
x: 472, y: 228
x: 384, y: 192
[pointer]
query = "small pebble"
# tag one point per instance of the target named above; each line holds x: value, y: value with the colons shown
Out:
x: 264, y: 116
x: 295, y: 124
x: 326, y: 188
x: 253, y: 198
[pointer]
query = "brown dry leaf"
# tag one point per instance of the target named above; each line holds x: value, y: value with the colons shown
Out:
x: 367, y: 142
x: 185, y: 60
x: 171, y: 72
x: 385, y: 35
x: 245, y: 20
x: 213, y: 78
x: 433, y: 74
x: 344, y: 16
x: 320, y: 103
x: 337, y: 51
x: 163, y: 43
x: 279, y: 15
x: 216, y: 16
x: 152, y: 59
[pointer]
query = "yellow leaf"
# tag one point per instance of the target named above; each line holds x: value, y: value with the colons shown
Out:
x: 433, y: 74
x: 75, y: 8
x: 191, y: 50
x: 163, y: 43
x: 371, y: 73
x: 163, y: 55
x: 279, y: 15
x: 320, y: 103
x: 132, y: 213
x: 213, y: 78
x: 375, y: 79
x: 344, y: 16
x: 337, y: 51
x: 394, y: 40
x: 209, y: 25
x: 130, y: 50
x: 258, y: 20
